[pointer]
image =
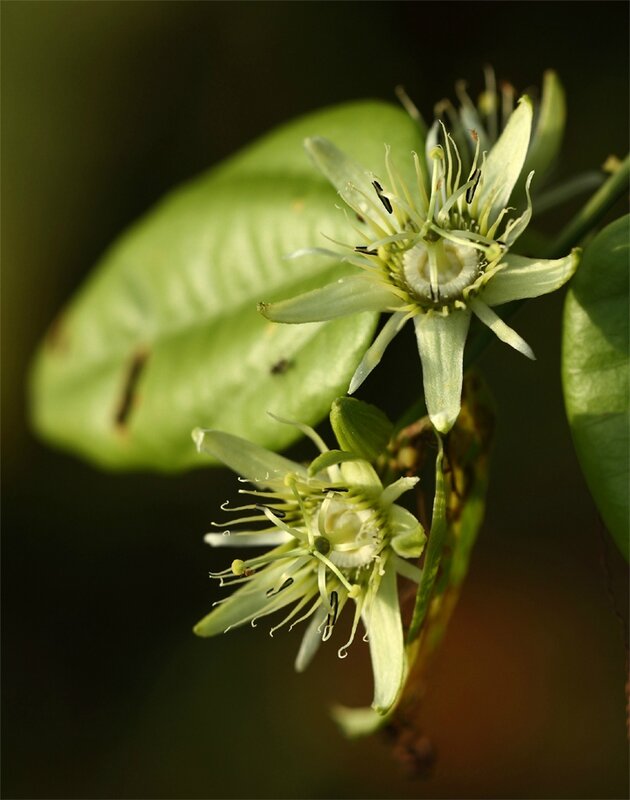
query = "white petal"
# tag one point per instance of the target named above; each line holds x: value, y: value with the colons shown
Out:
x: 396, y: 489
x: 505, y: 161
x: 352, y: 181
x: 441, y: 343
x: 251, y: 461
x: 528, y: 277
x: 311, y: 640
x: 500, y: 329
x: 374, y: 354
x: 387, y: 650
x: 247, y: 539
x: 350, y: 295
x: 356, y: 722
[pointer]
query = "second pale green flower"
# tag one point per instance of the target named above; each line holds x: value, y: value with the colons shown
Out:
x: 436, y: 252
x: 337, y: 535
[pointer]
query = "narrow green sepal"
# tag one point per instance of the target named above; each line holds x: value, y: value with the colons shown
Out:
x: 329, y: 459
x: 360, y: 427
x: 433, y: 557
x: 548, y: 133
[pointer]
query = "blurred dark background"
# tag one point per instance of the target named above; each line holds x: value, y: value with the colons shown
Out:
x: 106, y: 691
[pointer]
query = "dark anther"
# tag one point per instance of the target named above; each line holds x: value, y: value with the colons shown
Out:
x: 275, y: 511
x: 384, y: 200
x: 361, y: 248
x: 470, y: 192
x: 331, y: 618
x: 335, y: 489
x: 360, y: 218
x: 285, y: 585
x: 334, y: 602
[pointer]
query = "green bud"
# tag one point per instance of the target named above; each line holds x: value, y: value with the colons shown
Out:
x: 360, y: 427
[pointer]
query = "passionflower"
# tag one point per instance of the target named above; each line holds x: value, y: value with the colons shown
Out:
x: 336, y: 535
x: 435, y: 251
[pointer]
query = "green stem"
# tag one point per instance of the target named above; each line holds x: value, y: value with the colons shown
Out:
x: 579, y: 184
x: 437, y: 537
x: 586, y: 219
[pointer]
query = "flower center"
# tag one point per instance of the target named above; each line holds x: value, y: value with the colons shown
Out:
x: 353, y: 534
x: 438, y: 272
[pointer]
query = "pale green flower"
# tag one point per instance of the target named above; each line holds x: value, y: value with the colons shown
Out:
x: 336, y: 535
x: 435, y: 251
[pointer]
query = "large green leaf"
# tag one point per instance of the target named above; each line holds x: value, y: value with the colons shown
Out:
x: 165, y: 335
x: 595, y: 373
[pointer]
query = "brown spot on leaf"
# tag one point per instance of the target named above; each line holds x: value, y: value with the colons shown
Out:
x: 129, y: 393
x: 281, y: 366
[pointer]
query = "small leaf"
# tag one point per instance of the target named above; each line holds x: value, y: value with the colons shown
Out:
x: 595, y: 373
x: 165, y: 336
x: 360, y: 427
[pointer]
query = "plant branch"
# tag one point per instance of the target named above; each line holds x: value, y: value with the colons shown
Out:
x: 596, y: 207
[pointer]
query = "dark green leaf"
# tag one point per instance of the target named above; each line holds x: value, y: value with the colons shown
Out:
x: 595, y: 373
x: 165, y: 336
